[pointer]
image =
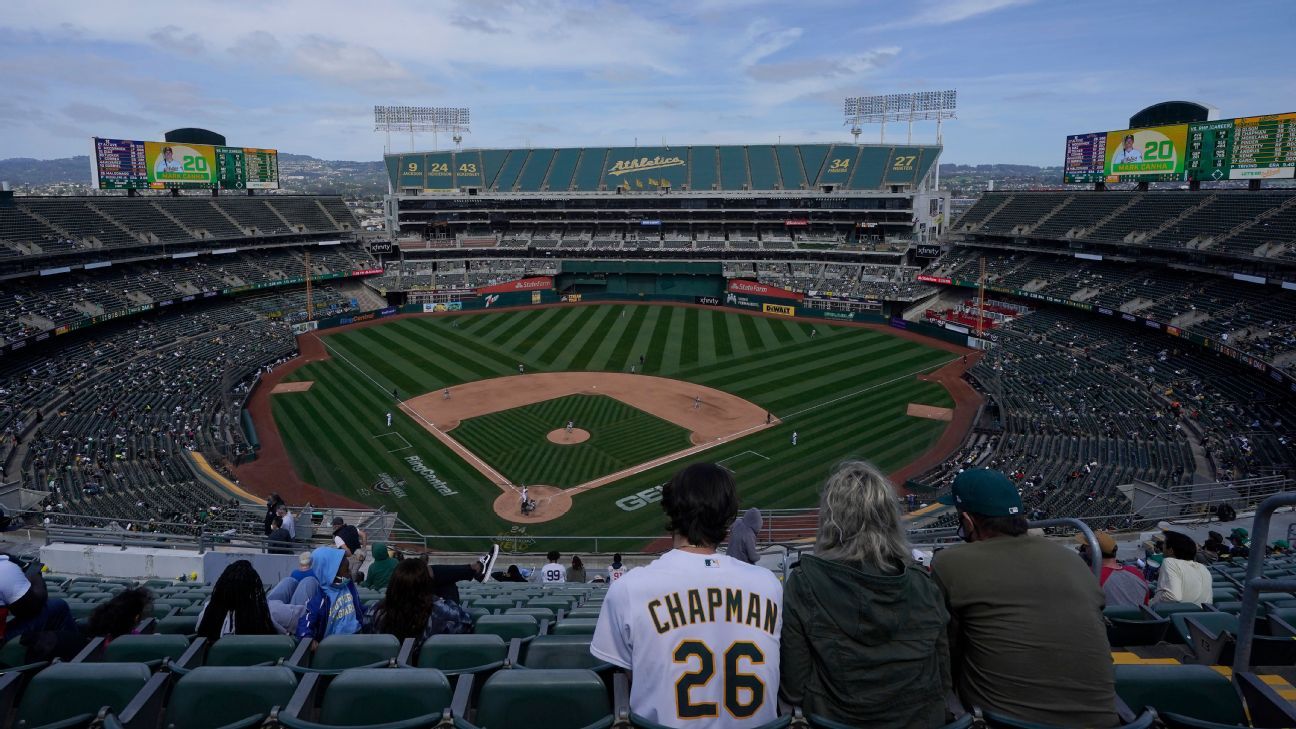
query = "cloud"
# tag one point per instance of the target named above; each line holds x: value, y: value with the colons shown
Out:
x: 81, y: 112
x: 173, y: 38
x: 765, y: 43
x: 478, y: 25
x: 944, y: 12
x: 350, y: 64
x: 820, y: 79
x: 255, y: 46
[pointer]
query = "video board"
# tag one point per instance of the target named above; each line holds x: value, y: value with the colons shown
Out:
x: 122, y: 164
x: 1246, y: 148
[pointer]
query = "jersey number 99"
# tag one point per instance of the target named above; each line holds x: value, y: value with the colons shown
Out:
x: 737, y: 686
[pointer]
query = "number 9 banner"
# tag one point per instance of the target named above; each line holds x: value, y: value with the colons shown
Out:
x: 183, y: 165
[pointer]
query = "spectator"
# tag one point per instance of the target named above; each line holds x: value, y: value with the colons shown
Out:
x: 121, y: 615
x: 865, y: 637
x: 577, y: 571
x: 1238, y: 543
x: 238, y: 605
x: 272, y: 506
x: 303, y: 567
x: 411, y: 608
x: 380, y: 570
x: 513, y: 574
x: 23, y: 596
x: 645, y: 623
x: 1121, y: 584
x: 1183, y: 579
x: 446, y: 577
x: 289, y: 522
x: 1017, y: 604
x: 553, y: 573
x: 279, y: 541
x: 336, y: 609
x: 742, y: 538
x: 616, y: 570
x: 347, y: 537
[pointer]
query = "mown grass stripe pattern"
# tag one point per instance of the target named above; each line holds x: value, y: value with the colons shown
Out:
x: 775, y: 363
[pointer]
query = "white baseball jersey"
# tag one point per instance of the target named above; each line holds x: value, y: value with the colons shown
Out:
x: 701, y: 635
x: 553, y: 572
x: 616, y: 573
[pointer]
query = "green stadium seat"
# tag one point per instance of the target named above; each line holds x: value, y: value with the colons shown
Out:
x: 145, y: 648
x: 163, y: 608
x: 193, y: 610
x: 249, y: 650
x: 585, y: 611
x: 94, y: 596
x: 177, y: 625
x: 67, y: 690
x: 80, y: 610
x: 495, y: 603
x: 507, y: 626
x: 216, y: 697
x: 540, y: 613
x: 362, y: 697
x: 575, y: 626
x: 1146, y: 720
x: 1212, y: 621
x: 13, y: 654
x: 1135, y: 632
x: 337, y: 652
x: 543, y: 699
x: 560, y: 651
x: 553, y: 603
x: 818, y: 722
x: 463, y: 653
x: 1166, y: 609
x: 1224, y: 594
x: 1198, y: 692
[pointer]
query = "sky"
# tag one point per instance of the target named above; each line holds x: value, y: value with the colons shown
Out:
x: 303, y: 76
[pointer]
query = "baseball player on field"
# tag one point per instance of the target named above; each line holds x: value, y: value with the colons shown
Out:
x: 698, y: 630
x: 388, y: 420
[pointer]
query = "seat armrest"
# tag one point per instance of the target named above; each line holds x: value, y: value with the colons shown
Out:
x: 621, y: 696
x: 462, y: 695
x: 93, y: 649
x: 1281, y: 628
x: 405, y: 652
x: 301, y: 654
x: 1266, y: 707
x: 11, y: 683
x: 304, y: 698
x: 514, y: 653
x: 144, y: 711
x: 147, y: 625
x: 193, y: 655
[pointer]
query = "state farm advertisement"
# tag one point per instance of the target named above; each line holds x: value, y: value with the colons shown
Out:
x: 742, y: 286
x: 934, y: 279
x: 535, y: 283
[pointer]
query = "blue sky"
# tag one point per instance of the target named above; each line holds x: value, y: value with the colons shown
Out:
x: 303, y: 75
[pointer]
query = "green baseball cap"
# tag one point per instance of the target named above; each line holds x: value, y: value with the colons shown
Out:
x: 984, y: 491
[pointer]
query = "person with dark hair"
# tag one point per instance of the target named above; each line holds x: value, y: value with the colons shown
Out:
x: 577, y: 571
x: 553, y: 572
x: 512, y: 574
x: 864, y: 627
x: 272, y: 506
x: 237, y: 605
x: 411, y: 609
x: 380, y: 570
x: 120, y: 615
x: 1027, y: 637
x: 617, y: 569
x: 279, y: 541
x: 694, y: 615
x: 1182, y: 578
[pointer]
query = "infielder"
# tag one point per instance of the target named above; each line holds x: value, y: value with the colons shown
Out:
x: 698, y: 630
x: 388, y: 420
x: 446, y: 394
x: 697, y: 402
x: 521, y: 369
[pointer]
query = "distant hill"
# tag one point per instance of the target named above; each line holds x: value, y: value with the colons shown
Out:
x: 297, y: 173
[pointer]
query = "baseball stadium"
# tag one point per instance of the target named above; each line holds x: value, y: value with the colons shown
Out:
x: 557, y: 368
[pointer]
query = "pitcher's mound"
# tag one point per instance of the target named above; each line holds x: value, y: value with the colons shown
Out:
x: 551, y: 503
x: 562, y: 437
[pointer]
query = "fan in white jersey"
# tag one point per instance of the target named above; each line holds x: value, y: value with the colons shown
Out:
x: 616, y: 570
x: 699, y: 631
x: 553, y: 572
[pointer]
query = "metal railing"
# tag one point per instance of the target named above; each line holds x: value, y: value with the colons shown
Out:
x: 1255, y: 582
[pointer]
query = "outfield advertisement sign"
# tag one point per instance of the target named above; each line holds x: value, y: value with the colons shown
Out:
x: 732, y: 299
x: 707, y: 300
x: 742, y: 286
x: 779, y: 309
x: 442, y: 306
x: 534, y: 283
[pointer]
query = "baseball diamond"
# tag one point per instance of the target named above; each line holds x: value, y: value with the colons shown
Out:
x: 845, y: 390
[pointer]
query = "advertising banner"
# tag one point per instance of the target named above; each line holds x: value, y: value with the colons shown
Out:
x: 779, y: 309
x: 934, y: 279
x: 534, y: 283
x: 927, y: 251
x: 742, y: 286
x: 707, y: 300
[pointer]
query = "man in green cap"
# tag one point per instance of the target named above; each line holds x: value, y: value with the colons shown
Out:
x: 1026, y: 630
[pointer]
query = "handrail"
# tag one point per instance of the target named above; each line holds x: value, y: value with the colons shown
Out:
x: 1253, y: 583
x: 1095, y: 560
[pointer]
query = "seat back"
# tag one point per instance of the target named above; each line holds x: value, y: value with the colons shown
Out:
x: 457, y: 652
x: 1215, y: 623
x: 65, y: 690
x: 362, y: 696
x: 560, y: 651
x: 178, y: 625
x: 1121, y: 632
x: 507, y: 626
x: 145, y: 648
x: 576, y: 626
x: 542, y: 699
x: 213, y: 696
x: 539, y: 613
x: 1189, y: 690
x: 249, y: 650
x: 352, y: 651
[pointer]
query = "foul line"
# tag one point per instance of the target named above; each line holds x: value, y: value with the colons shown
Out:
x: 441, y: 435
x: 406, y: 447
x: 867, y: 389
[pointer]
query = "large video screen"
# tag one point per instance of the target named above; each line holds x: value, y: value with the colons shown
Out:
x: 1154, y: 154
x: 122, y: 164
x: 1249, y: 148
x: 1086, y: 158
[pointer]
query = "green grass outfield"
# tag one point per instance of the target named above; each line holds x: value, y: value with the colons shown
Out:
x: 843, y: 389
x: 516, y: 441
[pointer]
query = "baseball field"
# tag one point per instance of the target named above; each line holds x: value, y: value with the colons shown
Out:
x: 845, y: 392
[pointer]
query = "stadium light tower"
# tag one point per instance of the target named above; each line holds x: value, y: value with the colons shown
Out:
x: 908, y: 107
x: 435, y: 119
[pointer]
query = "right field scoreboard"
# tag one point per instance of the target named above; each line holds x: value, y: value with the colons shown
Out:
x: 1250, y: 148
x: 1247, y: 148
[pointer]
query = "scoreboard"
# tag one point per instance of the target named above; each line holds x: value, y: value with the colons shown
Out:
x: 1086, y: 157
x: 123, y: 164
x: 1249, y: 148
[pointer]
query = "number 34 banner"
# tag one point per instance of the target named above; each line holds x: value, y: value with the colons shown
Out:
x: 175, y: 162
x: 1155, y: 152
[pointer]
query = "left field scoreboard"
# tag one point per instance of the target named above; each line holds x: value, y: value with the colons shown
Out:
x: 126, y: 164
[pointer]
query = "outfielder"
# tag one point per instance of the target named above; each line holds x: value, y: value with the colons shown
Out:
x: 794, y: 437
x: 698, y: 630
x: 388, y: 420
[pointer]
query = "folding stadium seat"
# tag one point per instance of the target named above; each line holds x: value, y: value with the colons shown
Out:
x: 553, y: 603
x: 560, y: 651
x: 575, y: 626
x: 1134, y: 626
x: 455, y: 654
x: 1198, y: 692
x: 1224, y: 594
x: 372, y: 697
x: 507, y: 627
x: 1146, y: 720
x: 818, y: 722
x: 1212, y: 637
x: 177, y: 625
x: 337, y: 652
x: 250, y: 650
x: 94, y: 596
x: 67, y: 691
x: 585, y: 611
x: 495, y: 603
x: 540, y: 613
x: 542, y: 699
x: 152, y: 649
x: 216, y: 697
x: 194, y: 610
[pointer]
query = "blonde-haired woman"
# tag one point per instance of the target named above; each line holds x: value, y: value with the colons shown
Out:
x: 864, y: 627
